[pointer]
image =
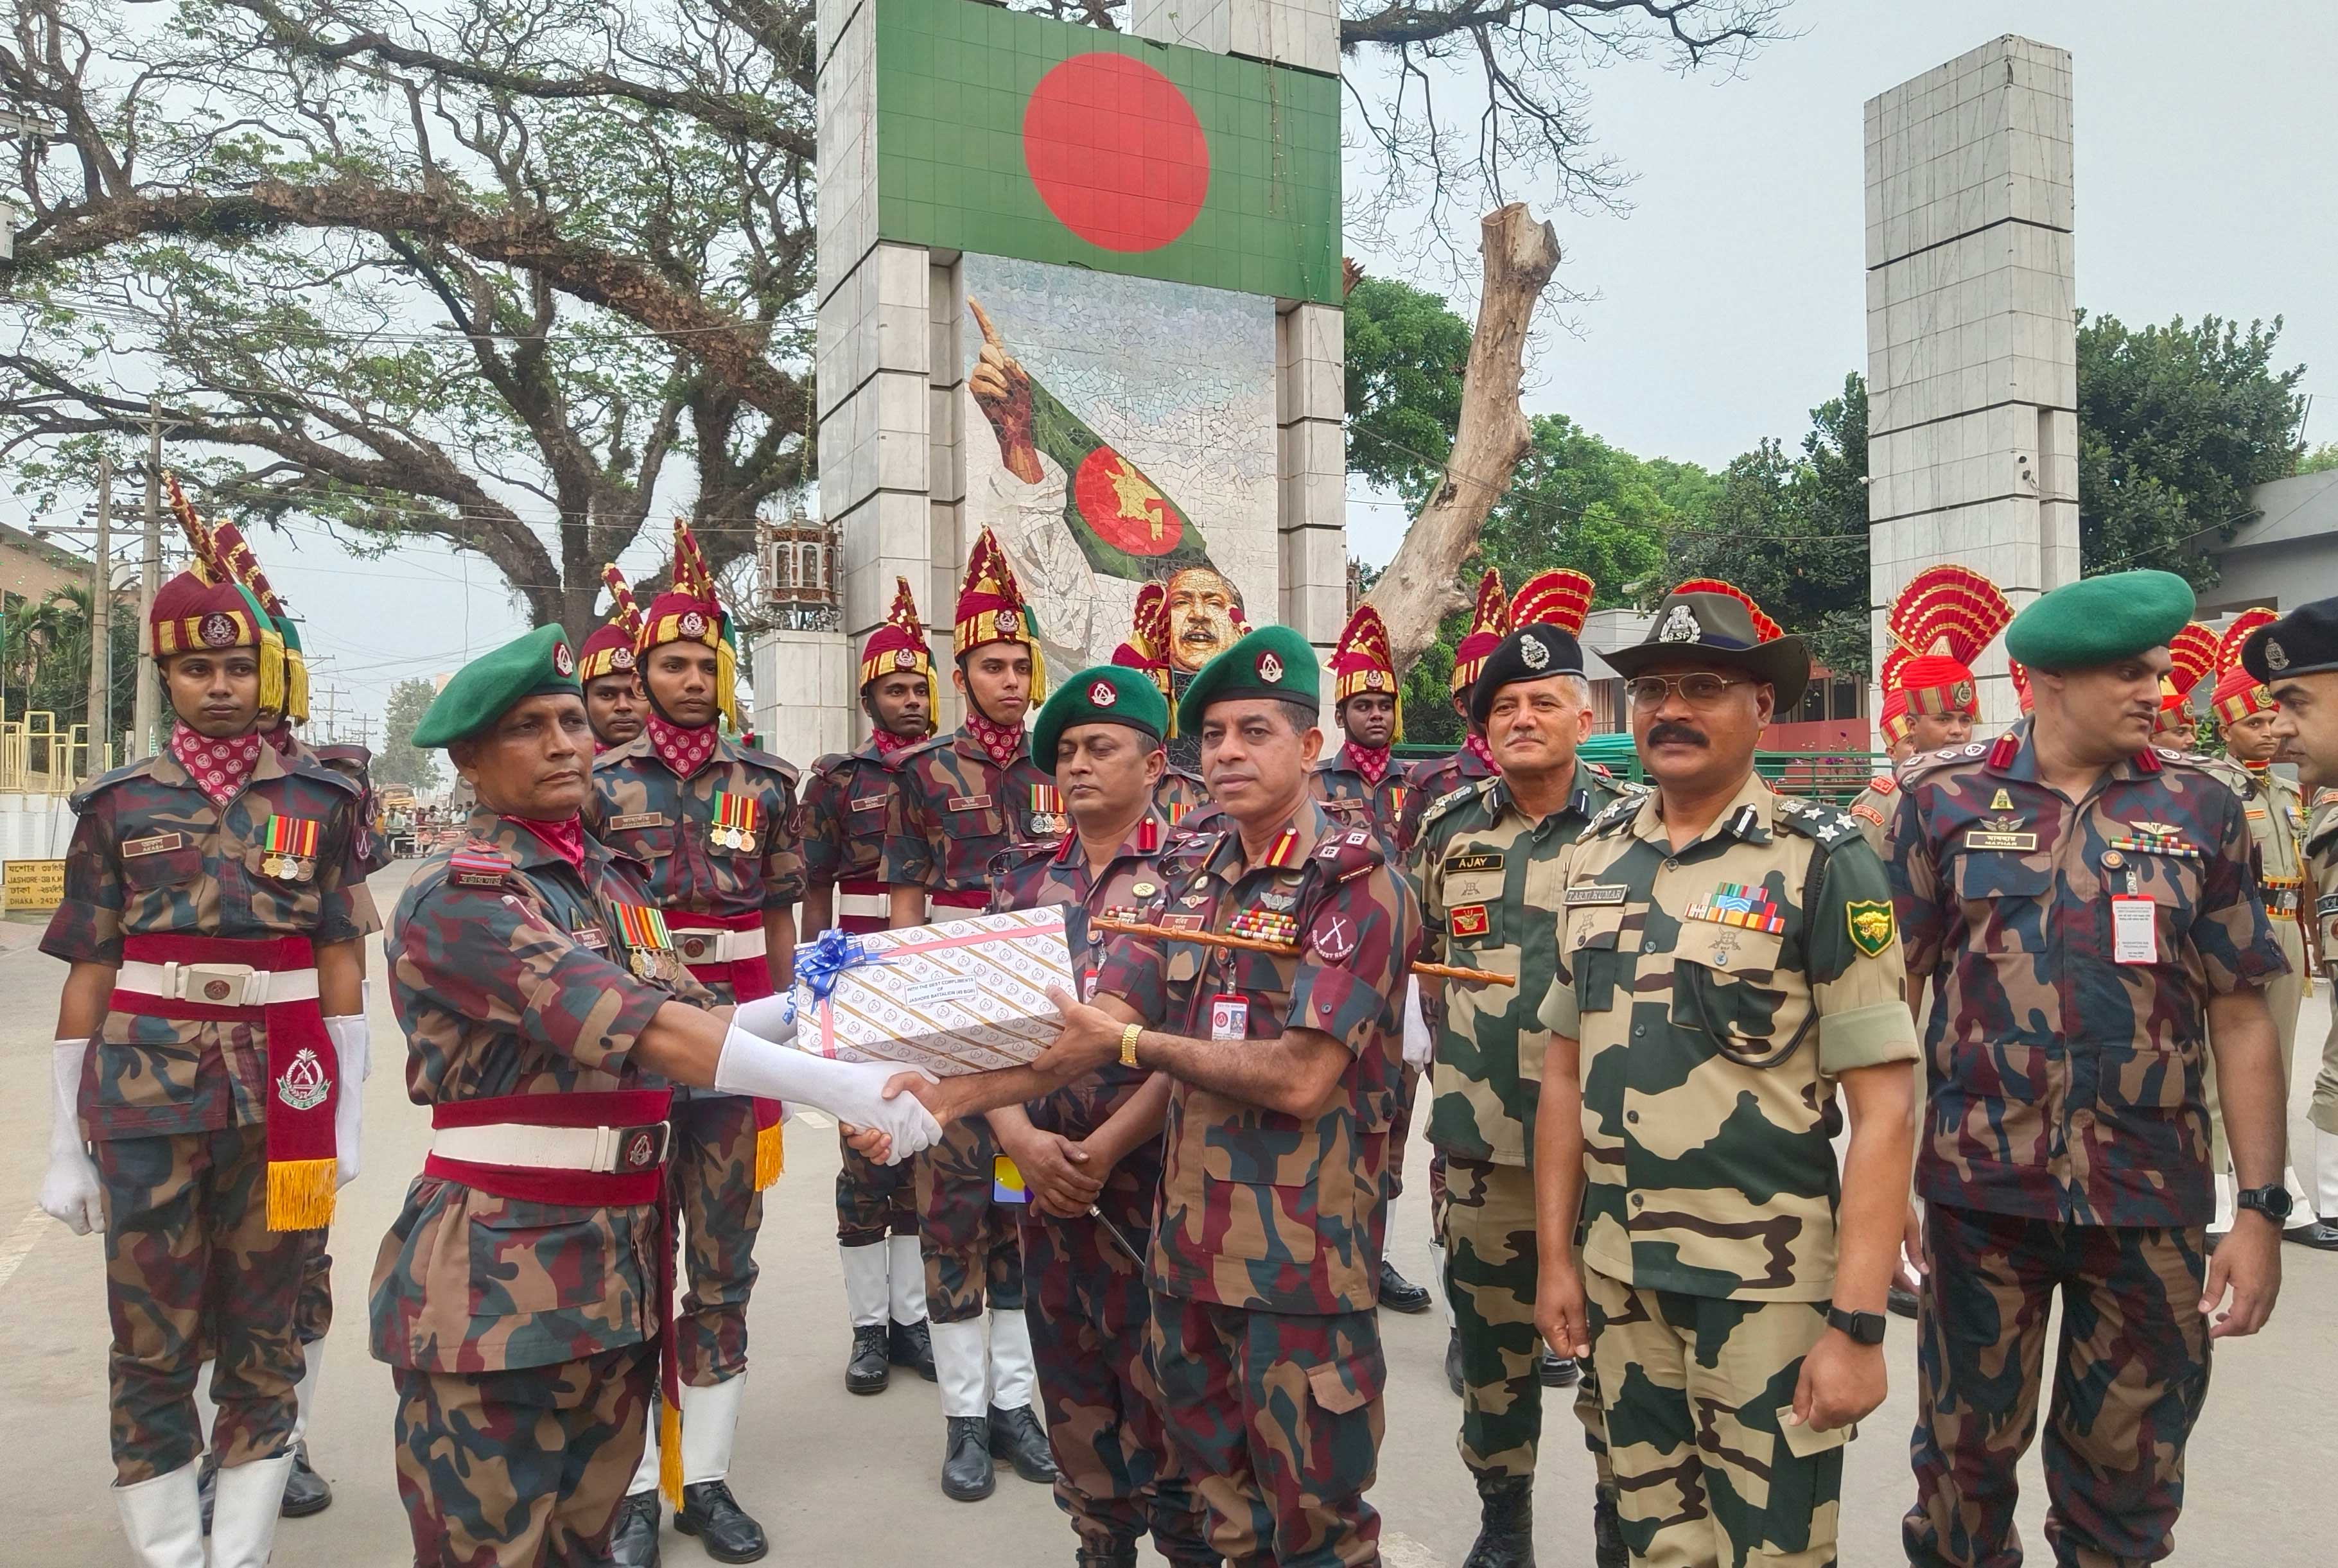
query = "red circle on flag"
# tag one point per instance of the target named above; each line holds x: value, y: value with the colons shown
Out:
x: 1116, y: 151
x: 1122, y: 506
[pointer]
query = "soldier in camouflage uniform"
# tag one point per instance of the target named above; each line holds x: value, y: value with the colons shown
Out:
x: 520, y: 1293
x: 2083, y: 910
x: 1090, y: 1152
x: 714, y: 821
x: 960, y: 798
x: 1265, y: 1345
x: 1488, y: 867
x: 848, y: 800
x: 608, y: 663
x: 1179, y: 794
x: 1726, y: 967
x: 209, y: 1041
x: 2305, y: 688
x: 1489, y: 622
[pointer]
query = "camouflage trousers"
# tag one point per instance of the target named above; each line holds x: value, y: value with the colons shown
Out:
x: 872, y: 1200
x: 2283, y: 996
x: 1279, y: 1416
x: 1090, y: 1313
x: 313, y: 1314
x: 2129, y: 1379
x: 1693, y: 1387
x: 974, y: 1257
x: 523, y: 1468
x: 192, y: 1272
x: 713, y: 1166
x: 1492, y: 1265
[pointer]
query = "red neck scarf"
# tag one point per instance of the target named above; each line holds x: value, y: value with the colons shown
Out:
x: 684, y: 750
x: 221, y: 769
x: 1372, y: 764
x: 888, y: 742
x: 566, y: 838
x: 1003, y: 742
x: 1476, y: 746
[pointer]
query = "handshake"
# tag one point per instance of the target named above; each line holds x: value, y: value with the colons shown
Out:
x: 877, y: 1101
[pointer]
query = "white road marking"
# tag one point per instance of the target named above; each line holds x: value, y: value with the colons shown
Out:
x: 1399, y: 1550
x: 20, y: 1242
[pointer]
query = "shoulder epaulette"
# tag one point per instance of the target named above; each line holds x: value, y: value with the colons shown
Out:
x: 1924, y: 763
x: 1352, y: 853
x: 1452, y: 797
x: 80, y: 799
x: 336, y: 755
x: 1813, y: 820
x: 779, y: 765
x: 479, y: 865
x: 317, y: 768
x: 1614, y: 814
x: 833, y: 762
x: 1600, y: 768
x: 920, y: 749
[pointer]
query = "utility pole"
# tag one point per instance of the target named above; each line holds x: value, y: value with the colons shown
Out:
x: 331, y: 716
x: 149, y: 578
x: 100, y: 622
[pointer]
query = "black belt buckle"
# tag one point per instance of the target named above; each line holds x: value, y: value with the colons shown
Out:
x: 641, y: 1148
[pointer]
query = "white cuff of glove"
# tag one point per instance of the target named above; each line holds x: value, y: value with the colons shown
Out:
x: 851, y: 1092
x: 69, y: 1188
x: 771, y: 1017
x: 352, y: 1043
x: 64, y: 1093
x: 1419, y: 1041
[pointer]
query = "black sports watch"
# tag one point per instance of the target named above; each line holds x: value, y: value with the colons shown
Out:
x: 1864, y: 1327
x: 2273, y: 1201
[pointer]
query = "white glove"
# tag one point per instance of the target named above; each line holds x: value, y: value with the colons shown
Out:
x: 69, y: 1191
x: 354, y: 1045
x: 771, y: 1017
x: 1420, y: 1042
x: 851, y: 1092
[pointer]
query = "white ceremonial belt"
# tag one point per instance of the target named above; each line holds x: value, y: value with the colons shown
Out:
x: 598, y: 1150
x: 218, y: 984
x: 867, y: 905
x: 719, y: 947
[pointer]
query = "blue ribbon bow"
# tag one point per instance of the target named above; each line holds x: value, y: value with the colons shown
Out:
x: 820, y: 961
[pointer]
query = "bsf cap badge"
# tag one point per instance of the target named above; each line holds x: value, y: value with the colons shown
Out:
x: 217, y: 629
x: 1270, y: 668
x: 1962, y: 693
x: 1680, y: 626
x: 1535, y: 652
x: 693, y: 624
x: 1102, y: 695
x: 2275, y: 658
x: 564, y: 663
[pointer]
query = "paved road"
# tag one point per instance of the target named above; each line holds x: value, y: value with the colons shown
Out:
x: 844, y: 1480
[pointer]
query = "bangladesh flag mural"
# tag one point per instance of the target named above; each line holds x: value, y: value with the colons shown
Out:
x: 1008, y: 135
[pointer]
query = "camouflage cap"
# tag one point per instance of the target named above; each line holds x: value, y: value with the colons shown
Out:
x: 1106, y: 694
x: 2096, y: 620
x: 1272, y: 662
x: 483, y: 691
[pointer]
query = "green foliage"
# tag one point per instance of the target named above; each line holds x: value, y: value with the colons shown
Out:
x: 1405, y: 351
x: 2319, y: 459
x: 2175, y: 424
x: 44, y: 658
x: 401, y: 761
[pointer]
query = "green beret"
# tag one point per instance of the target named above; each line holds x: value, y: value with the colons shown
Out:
x: 1272, y: 662
x: 2099, y: 620
x: 483, y: 691
x: 1108, y: 694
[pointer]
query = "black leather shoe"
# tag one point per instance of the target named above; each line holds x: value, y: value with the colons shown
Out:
x: 710, y: 1512
x: 1607, y: 1548
x: 1506, y: 1528
x: 911, y: 1345
x: 1016, y: 1436
x: 1453, y: 1358
x: 867, y: 1369
x: 1902, y: 1303
x: 966, y: 1475
x: 634, y: 1543
x: 1399, y: 1294
x: 305, y: 1491
x: 2319, y: 1234
x: 1558, y: 1371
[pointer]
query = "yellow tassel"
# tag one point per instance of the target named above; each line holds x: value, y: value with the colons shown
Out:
x: 296, y: 687
x: 300, y: 1194
x: 1038, y: 667
x: 771, y: 1154
x: 1396, y: 736
x: 726, y: 684
x: 670, y: 1449
x: 271, y: 672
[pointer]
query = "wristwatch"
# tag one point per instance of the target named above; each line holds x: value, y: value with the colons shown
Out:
x: 1128, y: 1037
x: 1864, y: 1327
x: 2272, y: 1202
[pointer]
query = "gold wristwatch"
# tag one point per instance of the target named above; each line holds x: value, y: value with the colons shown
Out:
x: 1128, y: 1034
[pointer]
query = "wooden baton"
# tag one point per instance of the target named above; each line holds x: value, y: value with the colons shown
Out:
x: 1283, y: 950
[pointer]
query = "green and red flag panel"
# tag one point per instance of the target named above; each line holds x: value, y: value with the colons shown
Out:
x: 1008, y: 135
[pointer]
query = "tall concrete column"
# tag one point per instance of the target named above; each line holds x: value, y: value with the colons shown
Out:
x: 1971, y: 333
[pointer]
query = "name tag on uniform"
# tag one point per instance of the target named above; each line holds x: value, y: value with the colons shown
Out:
x: 1229, y: 1018
x: 865, y: 803
x: 2135, y: 929
x: 969, y: 803
x: 1180, y: 922
x: 1978, y: 839
x: 2326, y: 904
x: 1478, y: 860
x: 1596, y: 893
x: 155, y: 845
x: 591, y: 936
x: 637, y: 820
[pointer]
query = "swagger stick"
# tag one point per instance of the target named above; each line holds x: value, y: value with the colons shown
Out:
x: 1281, y: 950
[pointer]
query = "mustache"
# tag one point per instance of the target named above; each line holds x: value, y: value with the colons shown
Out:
x: 1670, y: 733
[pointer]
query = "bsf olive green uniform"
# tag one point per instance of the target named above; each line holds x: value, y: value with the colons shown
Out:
x: 2322, y: 850
x: 1489, y: 876
x: 1716, y: 992
x: 2277, y: 816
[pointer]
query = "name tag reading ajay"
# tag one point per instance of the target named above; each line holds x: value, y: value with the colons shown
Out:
x: 2135, y: 929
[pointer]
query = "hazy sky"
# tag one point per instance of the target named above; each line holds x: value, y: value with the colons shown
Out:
x: 1731, y: 299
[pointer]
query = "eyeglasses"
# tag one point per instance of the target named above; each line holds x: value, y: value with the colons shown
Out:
x: 1698, y: 690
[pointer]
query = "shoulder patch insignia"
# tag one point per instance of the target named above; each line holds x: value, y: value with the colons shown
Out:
x: 1883, y: 783
x: 1872, y: 928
